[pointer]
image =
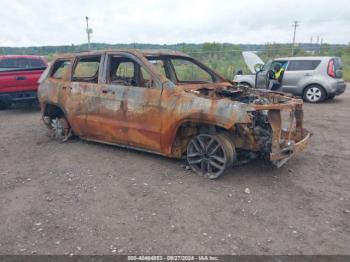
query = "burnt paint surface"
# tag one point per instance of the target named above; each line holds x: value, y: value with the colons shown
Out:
x: 149, y: 118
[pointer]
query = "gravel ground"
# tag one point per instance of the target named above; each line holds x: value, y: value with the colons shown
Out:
x: 87, y: 198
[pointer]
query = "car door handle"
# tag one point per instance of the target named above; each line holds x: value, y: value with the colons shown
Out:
x: 20, y: 78
x: 308, y: 74
x: 105, y: 91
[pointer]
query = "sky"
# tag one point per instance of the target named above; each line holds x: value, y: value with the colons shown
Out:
x: 42, y: 22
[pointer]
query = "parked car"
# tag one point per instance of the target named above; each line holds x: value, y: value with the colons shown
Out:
x: 19, y: 76
x: 168, y: 103
x: 313, y: 78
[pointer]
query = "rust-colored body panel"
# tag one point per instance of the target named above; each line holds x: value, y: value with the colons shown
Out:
x: 163, y: 117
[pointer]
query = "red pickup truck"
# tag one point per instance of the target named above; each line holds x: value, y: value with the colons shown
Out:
x: 19, y: 75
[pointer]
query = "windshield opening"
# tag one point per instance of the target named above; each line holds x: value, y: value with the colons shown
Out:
x: 182, y: 70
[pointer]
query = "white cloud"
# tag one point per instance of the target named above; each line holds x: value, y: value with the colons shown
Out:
x: 41, y: 22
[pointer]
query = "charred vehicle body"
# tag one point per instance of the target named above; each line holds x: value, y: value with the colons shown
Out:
x: 168, y: 103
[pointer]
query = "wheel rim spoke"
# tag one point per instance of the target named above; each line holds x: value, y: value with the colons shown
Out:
x: 214, y: 149
x: 196, y: 146
x: 194, y: 154
x: 203, y: 166
x: 209, y: 144
x: 201, y: 143
x: 212, y: 163
x: 221, y: 160
x: 197, y: 161
x: 209, y: 167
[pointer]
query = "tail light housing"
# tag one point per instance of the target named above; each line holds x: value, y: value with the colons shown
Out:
x: 331, y: 68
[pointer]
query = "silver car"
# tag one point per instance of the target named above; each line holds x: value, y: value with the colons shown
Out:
x: 314, y: 78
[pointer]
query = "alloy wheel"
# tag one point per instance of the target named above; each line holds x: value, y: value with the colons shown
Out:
x: 208, y: 155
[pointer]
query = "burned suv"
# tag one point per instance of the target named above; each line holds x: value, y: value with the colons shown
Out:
x: 168, y: 103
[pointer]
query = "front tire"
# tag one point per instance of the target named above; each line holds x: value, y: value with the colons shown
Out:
x: 210, y: 155
x: 314, y: 94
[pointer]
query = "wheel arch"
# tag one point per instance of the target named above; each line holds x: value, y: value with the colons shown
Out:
x: 54, y: 110
x: 51, y: 109
x: 187, y: 129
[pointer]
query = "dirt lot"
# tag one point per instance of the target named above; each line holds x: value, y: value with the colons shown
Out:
x: 87, y: 198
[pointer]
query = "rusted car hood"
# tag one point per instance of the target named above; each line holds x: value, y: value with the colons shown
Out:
x: 209, y: 86
x: 261, y: 99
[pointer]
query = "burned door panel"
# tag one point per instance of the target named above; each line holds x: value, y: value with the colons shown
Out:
x: 143, y: 117
x: 105, y: 115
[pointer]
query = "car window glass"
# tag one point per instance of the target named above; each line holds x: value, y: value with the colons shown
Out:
x: 20, y: 63
x: 267, y: 66
x: 283, y: 64
x: 86, y: 69
x: 60, y: 68
x: 299, y: 65
x: 187, y: 71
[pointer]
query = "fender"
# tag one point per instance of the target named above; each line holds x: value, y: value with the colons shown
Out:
x: 193, y: 108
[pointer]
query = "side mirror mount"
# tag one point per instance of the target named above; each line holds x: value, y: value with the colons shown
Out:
x: 258, y: 68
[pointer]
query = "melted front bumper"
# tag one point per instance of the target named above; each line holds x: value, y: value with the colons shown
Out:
x: 291, y: 148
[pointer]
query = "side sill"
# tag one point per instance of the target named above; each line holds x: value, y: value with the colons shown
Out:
x: 123, y: 146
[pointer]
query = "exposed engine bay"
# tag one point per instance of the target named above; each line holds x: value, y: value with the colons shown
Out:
x: 243, y: 94
x: 273, y: 115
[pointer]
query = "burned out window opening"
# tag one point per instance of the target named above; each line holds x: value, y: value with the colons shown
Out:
x: 127, y: 72
x: 86, y: 69
x: 60, y: 69
x: 187, y: 71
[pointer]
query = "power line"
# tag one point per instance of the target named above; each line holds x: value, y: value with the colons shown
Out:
x: 295, y: 25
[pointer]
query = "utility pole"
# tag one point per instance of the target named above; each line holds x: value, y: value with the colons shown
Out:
x: 295, y: 25
x: 311, y: 51
x: 88, y: 31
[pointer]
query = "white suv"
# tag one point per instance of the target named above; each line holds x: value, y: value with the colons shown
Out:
x: 313, y: 78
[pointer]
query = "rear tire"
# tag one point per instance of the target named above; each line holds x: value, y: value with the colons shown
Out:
x: 210, y: 155
x: 314, y: 94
